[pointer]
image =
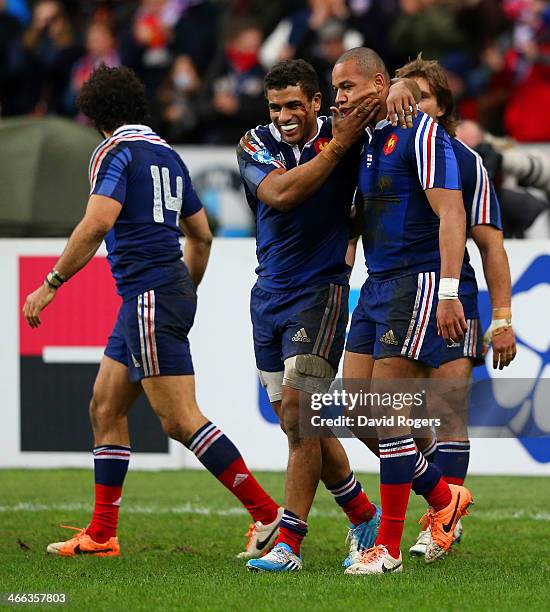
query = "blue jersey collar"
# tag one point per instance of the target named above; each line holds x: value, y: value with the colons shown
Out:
x: 134, y: 127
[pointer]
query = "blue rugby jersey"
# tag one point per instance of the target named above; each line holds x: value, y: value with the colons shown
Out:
x: 138, y: 169
x: 306, y: 245
x: 401, y: 231
x: 478, y: 192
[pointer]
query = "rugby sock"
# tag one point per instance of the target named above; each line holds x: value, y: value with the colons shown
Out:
x: 397, y: 461
x: 110, y: 467
x: 429, y: 451
x: 292, y: 531
x: 429, y: 483
x: 222, y: 459
x: 349, y: 495
x: 453, y: 458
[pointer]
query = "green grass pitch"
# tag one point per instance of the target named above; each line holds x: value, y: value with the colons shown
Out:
x: 180, y: 531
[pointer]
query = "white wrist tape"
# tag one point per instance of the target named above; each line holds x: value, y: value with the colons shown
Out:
x: 448, y: 289
x: 496, y: 324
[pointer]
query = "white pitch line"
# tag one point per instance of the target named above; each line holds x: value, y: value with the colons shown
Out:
x: 489, y: 515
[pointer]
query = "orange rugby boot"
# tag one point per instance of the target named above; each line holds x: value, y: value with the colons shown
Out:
x: 442, y: 524
x: 82, y: 544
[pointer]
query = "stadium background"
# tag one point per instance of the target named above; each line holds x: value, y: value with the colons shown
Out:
x: 202, y: 62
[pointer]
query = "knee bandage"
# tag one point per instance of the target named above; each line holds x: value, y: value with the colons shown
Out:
x: 308, y: 373
x: 272, y: 382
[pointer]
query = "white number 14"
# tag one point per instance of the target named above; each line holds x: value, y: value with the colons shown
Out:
x: 170, y: 202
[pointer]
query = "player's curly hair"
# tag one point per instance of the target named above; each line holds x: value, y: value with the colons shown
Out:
x: 291, y: 73
x: 112, y: 97
x: 434, y: 73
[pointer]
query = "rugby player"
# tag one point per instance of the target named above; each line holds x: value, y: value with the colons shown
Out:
x: 141, y: 200
x: 452, y: 450
x: 413, y: 238
x: 301, y: 190
x: 299, y: 174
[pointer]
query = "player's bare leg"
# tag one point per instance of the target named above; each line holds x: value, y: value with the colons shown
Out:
x: 302, y: 478
x: 173, y: 400
x: 304, y: 458
x: 339, y: 479
x: 113, y: 395
x: 335, y: 465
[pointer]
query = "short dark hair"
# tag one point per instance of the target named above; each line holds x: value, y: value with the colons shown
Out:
x: 290, y: 73
x: 112, y: 97
x: 435, y: 75
x: 368, y: 61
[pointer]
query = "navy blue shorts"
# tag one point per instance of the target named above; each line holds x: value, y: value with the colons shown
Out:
x: 397, y: 318
x: 150, y: 334
x: 311, y: 320
x: 471, y: 344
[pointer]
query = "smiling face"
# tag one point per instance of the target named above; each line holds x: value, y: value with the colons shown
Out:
x: 352, y: 86
x: 428, y: 102
x: 293, y: 114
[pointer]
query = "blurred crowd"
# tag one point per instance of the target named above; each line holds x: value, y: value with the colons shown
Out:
x: 203, y: 60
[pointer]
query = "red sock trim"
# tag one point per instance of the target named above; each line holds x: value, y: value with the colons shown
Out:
x: 239, y: 481
x: 440, y: 496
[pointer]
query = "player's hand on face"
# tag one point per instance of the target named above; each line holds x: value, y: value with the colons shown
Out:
x: 35, y: 304
x: 504, y: 347
x: 401, y: 105
x: 346, y: 130
x: 451, y: 324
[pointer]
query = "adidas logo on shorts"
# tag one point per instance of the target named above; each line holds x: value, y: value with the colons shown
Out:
x: 389, y: 338
x: 301, y: 336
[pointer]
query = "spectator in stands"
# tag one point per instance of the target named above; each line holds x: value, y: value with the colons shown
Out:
x: 528, y: 64
x: 147, y: 46
x: 426, y: 26
x: 100, y: 49
x: 177, y: 102
x: 51, y: 53
x: 234, y: 95
x: 18, y: 9
x: 196, y: 34
x: 306, y: 24
x: 330, y: 48
x: 12, y: 63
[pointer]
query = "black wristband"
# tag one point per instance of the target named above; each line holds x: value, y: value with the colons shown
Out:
x: 54, y: 279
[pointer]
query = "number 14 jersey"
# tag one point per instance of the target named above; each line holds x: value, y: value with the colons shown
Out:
x: 148, y: 178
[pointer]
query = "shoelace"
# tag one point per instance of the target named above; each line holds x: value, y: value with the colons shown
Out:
x: 280, y: 554
x: 250, y: 535
x: 79, y: 529
x: 352, y: 538
x: 427, y: 519
x: 423, y: 537
x: 372, y: 554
